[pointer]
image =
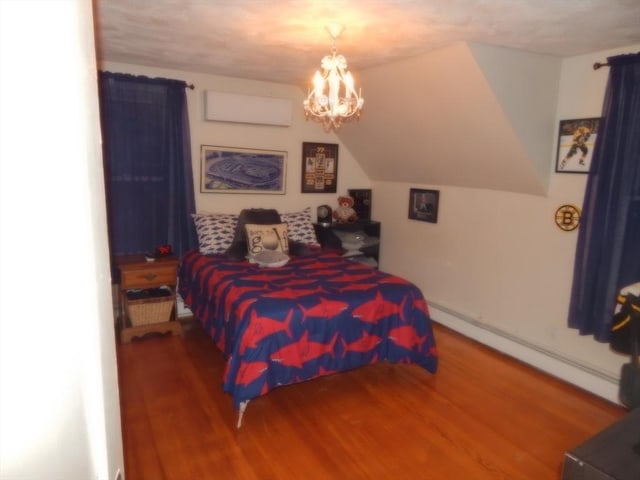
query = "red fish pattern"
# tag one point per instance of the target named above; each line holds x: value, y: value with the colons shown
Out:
x: 363, y: 344
x: 315, y: 316
x: 261, y: 327
x: 303, y: 351
x: 374, y: 310
x: 324, y: 309
x: 251, y: 371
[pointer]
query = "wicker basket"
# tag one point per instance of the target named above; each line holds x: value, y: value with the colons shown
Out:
x: 149, y: 310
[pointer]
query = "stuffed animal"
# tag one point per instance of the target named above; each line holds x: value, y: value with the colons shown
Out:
x: 345, y: 212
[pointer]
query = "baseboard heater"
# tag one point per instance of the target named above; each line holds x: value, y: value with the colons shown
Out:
x: 236, y: 108
x: 568, y: 369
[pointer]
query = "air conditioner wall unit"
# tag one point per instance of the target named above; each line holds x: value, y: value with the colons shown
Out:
x: 236, y: 108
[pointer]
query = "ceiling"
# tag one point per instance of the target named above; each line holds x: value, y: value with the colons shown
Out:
x: 445, y: 58
x: 283, y: 40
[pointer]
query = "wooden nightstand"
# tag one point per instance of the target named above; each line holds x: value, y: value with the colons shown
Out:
x: 137, y: 273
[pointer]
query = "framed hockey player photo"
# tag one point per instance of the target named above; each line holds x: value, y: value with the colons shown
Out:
x: 576, y: 139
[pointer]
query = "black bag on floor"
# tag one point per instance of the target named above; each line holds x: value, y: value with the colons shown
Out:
x: 630, y: 385
x: 625, y: 338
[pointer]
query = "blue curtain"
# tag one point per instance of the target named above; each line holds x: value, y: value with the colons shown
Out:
x: 608, y: 249
x: 147, y: 158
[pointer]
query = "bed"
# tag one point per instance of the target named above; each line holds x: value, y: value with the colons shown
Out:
x: 316, y: 315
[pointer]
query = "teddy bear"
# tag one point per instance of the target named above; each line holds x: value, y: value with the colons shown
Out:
x: 345, y: 212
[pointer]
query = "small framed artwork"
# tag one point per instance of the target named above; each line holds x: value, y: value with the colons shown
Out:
x: 576, y: 139
x: 423, y: 205
x: 319, y: 167
x: 242, y: 170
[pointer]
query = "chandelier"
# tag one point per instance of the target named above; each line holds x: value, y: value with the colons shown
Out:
x: 333, y: 99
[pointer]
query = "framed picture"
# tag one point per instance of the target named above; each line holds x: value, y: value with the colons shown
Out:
x: 242, y: 170
x: 423, y: 205
x: 576, y: 139
x: 319, y: 167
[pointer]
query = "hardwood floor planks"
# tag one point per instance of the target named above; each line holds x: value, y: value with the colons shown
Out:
x: 482, y: 416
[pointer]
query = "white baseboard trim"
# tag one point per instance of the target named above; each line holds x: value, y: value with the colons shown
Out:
x: 582, y: 376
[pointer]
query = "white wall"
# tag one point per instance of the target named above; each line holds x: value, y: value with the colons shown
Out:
x: 495, y: 266
x: 288, y: 139
x: 59, y: 403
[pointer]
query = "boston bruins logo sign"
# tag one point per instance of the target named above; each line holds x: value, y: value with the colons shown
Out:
x: 568, y: 217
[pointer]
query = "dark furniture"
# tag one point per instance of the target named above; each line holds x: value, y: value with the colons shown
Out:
x: 361, y: 202
x: 359, y: 239
x: 613, y: 454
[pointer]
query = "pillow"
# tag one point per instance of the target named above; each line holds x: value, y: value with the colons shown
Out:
x: 269, y: 258
x: 265, y: 238
x: 263, y: 216
x: 215, y: 231
x: 300, y: 226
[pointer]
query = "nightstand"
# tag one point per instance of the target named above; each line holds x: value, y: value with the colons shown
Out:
x: 154, y: 314
x: 334, y: 235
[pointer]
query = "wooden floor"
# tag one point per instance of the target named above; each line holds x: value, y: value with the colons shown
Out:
x: 482, y: 416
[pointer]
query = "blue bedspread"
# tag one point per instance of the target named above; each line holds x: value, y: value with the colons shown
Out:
x: 315, y: 316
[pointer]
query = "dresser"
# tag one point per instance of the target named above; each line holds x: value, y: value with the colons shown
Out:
x: 147, y: 296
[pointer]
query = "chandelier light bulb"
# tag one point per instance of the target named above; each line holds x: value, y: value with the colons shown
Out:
x: 318, y: 83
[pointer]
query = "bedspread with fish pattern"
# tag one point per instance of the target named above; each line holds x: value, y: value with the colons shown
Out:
x: 315, y: 316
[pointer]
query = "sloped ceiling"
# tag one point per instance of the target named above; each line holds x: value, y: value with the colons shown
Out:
x: 468, y: 115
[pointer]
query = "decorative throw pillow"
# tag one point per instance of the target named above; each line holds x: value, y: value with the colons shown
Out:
x: 262, y: 216
x: 268, y: 258
x: 262, y: 238
x: 300, y: 226
x: 215, y: 231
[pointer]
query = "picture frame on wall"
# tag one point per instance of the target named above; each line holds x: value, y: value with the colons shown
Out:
x: 576, y: 139
x: 242, y: 170
x: 423, y: 205
x: 319, y: 167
